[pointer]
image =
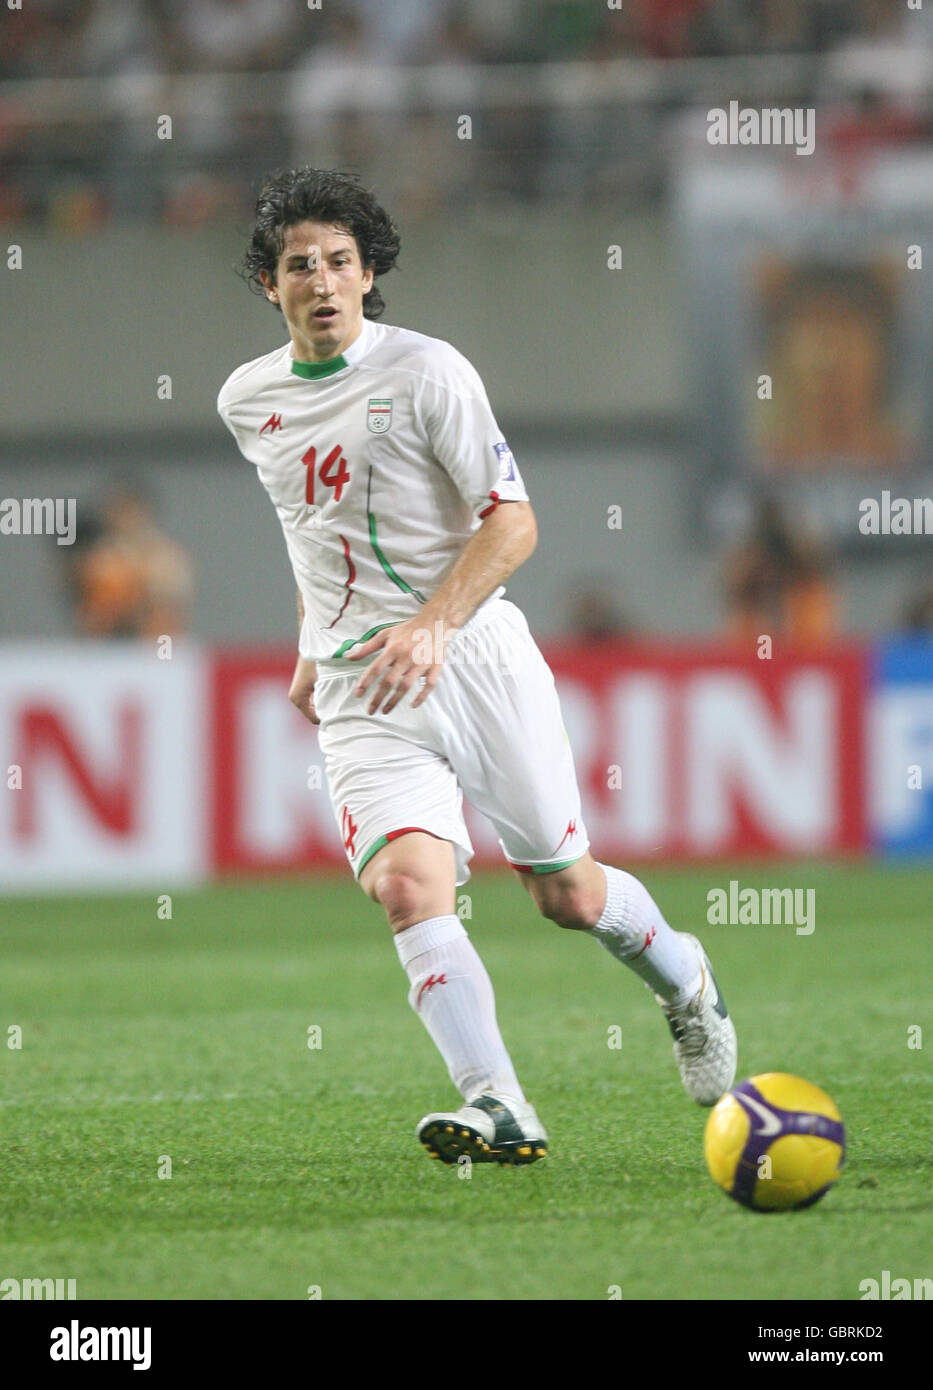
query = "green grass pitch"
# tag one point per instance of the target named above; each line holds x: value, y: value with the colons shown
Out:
x: 294, y: 1168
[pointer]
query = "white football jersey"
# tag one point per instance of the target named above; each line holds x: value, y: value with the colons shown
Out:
x: 381, y: 463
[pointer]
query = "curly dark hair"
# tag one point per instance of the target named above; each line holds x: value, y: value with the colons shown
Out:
x: 320, y: 195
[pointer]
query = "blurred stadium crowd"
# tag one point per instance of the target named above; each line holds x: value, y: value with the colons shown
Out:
x: 257, y: 82
x: 66, y: 38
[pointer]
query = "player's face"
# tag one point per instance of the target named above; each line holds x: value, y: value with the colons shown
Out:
x: 320, y: 283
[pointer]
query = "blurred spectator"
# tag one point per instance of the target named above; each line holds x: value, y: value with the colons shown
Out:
x: 559, y: 31
x: 788, y: 26
x: 918, y: 612
x: 620, y: 35
x: 593, y: 615
x: 325, y: 127
x: 123, y: 36
x: 776, y: 583
x: 222, y: 135
x: 498, y: 27
x: 574, y: 159
x: 127, y: 577
x: 231, y: 35
x: 667, y: 25
x: 43, y: 39
x: 886, y: 54
x: 402, y: 31
x: 322, y: 132
x: 724, y: 27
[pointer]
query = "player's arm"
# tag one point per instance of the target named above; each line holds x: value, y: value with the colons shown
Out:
x: 502, y: 543
x: 301, y: 692
x: 413, y: 649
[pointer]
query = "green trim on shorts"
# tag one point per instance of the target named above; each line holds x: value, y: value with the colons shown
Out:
x: 549, y: 868
x: 391, y: 835
x: 374, y: 847
x: 534, y: 868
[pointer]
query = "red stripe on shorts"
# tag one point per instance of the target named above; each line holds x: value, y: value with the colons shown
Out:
x: 412, y: 829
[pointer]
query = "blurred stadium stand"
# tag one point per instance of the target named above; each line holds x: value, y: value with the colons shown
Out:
x: 581, y: 115
x: 569, y: 97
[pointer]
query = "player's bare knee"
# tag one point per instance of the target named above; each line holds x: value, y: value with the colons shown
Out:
x: 568, y: 898
x: 570, y: 905
x: 403, y: 897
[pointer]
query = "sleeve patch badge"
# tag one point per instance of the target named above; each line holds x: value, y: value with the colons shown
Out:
x: 506, y: 462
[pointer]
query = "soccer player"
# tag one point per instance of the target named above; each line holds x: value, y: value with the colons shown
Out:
x: 404, y: 513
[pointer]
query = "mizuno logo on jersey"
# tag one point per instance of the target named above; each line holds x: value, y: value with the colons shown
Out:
x: 568, y: 834
x: 506, y: 462
x: 349, y: 828
x: 273, y: 423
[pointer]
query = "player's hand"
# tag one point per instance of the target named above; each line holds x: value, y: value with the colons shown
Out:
x: 408, y: 652
x: 301, y: 692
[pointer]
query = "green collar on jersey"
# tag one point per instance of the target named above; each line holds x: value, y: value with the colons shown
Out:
x: 311, y: 370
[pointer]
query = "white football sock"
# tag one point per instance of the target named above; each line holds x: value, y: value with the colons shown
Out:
x: 453, y: 996
x: 633, y: 930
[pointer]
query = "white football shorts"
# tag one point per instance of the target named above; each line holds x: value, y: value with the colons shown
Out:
x: 491, y: 730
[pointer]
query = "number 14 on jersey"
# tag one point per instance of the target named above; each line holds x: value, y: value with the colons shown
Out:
x: 332, y: 471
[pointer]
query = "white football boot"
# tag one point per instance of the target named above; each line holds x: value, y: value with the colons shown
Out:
x: 704, y: 1037
x: 489, y: 1129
